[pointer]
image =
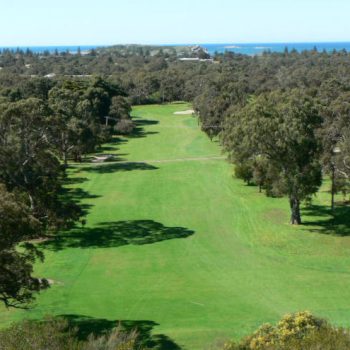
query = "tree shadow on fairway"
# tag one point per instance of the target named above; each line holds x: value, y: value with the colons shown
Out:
x: 73, y: 197
x: 74, y: 180
x: 145, y: 122
x: 112, y: 145
x: 115, y: 167
x: 139, y: 130
x: 335, y: 223
x: 117, y: 234
x: 88, y: 325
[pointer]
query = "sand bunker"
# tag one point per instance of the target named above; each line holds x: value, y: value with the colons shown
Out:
x: 189, y: 111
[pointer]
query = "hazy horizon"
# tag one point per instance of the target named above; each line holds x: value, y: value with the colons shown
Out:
x: 111, y: 22
x: 170, y: 44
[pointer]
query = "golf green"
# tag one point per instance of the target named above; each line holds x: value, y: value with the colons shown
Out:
x: 176, y: 246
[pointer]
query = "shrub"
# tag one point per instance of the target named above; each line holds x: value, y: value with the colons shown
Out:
x: 300, y: 331
x: 244, y: 171
x: 115, y: 340
x: 50, y: 334
x: 56, y: 334
x: 124, y: 126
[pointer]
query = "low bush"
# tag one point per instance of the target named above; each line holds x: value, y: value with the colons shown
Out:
x: 56, y: 334
x: 299, y: 331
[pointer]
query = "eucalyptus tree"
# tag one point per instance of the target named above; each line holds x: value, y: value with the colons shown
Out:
x: 119, y: 108
x: 344, y: 156
x: 211, y: 107
x: 17, y: 224
x: 281, y: 127
x: 31, y: 195
x: 28, y: 163
x: 335, y: 134
x: 63, y: 103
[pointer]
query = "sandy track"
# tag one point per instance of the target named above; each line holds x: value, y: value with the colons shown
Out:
x: 188, y: 112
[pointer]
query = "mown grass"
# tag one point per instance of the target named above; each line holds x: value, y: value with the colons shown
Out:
x: 184, y: 251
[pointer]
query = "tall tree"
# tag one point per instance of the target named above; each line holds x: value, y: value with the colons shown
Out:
x: 280, y: 126
x: 17, y: 223
x: 63, y: 104
x: 336, y: 118
x: 28, y: 164
x: 79, y: 109
x: 120, y: 108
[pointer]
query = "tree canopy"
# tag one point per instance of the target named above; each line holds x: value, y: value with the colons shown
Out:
x: 280, y: 128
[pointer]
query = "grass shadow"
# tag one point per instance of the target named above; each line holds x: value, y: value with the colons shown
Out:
x: 145, y: 122
x: 88, y: 325
x: 74, y: 180
x: 112, y: 144
x: 139, y: 130
x: 117, y: 234
x: 72, y: 208
x: 78, y: 194
x: 72, y: 205
x: 115, y: 167
x: 335, y: 223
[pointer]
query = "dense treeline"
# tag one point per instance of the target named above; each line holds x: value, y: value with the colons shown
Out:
x: 283, y: 119
x: 42, y: 125
x: 101, y: 61
x: 147, y: 75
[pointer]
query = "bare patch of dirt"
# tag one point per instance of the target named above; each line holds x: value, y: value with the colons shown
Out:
x: 40, y: 240
x: 188, y: 112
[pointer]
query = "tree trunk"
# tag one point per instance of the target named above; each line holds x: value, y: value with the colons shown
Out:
x: 64, y: 149
x: 333, y: 188
x: 295, y: 210
x: 31, y: 201
x: 65, y: 161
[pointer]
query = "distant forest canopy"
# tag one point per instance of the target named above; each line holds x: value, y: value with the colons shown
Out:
x: 283, y: 119
x: 151, y: 74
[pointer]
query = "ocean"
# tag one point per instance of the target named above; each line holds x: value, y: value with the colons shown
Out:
x: 259, y: 48
x: 248, y: 49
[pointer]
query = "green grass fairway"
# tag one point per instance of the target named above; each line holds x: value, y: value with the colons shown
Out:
x: 176, y: 246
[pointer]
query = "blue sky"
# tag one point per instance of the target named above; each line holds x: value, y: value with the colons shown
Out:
x: 104, y: 22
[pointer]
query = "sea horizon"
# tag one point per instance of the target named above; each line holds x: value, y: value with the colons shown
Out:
x: 252, y: 48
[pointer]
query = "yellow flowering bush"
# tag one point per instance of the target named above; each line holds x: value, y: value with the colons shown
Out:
x: 299, y: 331
x: 297, y: 325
